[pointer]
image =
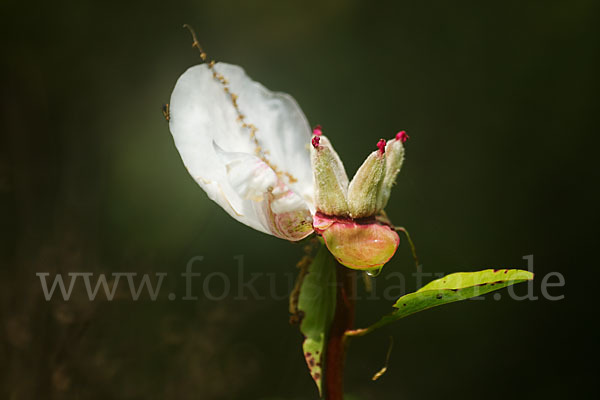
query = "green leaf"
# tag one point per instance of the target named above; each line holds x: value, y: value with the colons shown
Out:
x: 317, y: 305
x: 451, y: 288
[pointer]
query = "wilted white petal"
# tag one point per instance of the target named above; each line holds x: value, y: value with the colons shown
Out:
x: 269, y: 201
x: 286, y: 200
x: 289, y: 216
x: 283, y: 131
x: 220, y: 153
x: 248, y: 175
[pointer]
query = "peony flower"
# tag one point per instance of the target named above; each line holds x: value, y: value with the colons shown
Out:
x: 252, y: 151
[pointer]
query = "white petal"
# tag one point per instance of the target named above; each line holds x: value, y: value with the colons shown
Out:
x: 279, y: 210
x: 248, y: 175
x: 283, y: 131
x: 202, y: 114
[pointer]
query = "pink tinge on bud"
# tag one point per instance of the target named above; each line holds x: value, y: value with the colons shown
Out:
x: 317, y: 131
x: 402, y: 136
x: 315, y: 141
x: 381, y: 146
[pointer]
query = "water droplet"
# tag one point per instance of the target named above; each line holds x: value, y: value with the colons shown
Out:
x: 374, y: 272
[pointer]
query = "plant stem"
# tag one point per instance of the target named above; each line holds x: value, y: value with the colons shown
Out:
x: 343, y: 320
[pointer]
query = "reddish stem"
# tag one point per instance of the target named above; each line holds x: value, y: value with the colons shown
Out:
x: 343, y: 320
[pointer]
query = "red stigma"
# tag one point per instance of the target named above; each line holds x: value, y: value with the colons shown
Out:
x: 381, y: 146
x: 315, y: 141
x: 402, y: 136
x: 317, y: 131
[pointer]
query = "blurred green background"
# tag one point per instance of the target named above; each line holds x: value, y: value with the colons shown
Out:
x: 497, y: 97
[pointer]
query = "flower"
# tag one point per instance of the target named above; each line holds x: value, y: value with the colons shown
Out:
x: 253, y: 153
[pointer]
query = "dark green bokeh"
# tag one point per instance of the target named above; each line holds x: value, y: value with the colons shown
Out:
x: 496, y: 96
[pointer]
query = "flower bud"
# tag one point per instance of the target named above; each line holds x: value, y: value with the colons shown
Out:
x: 365, y: 186
x: 350, y: 220
x: 394, y: 151
x: 331, y: 181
